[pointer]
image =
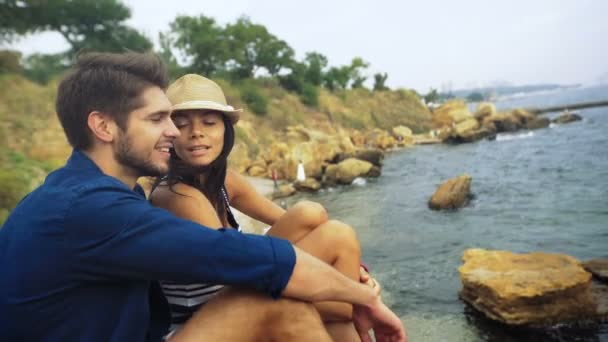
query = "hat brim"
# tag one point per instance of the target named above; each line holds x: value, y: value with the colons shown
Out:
x: 232, y: 113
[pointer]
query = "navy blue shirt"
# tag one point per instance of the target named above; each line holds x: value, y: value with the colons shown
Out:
x: 80, y: 257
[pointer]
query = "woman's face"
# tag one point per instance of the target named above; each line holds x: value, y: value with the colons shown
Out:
x: 202, y: 136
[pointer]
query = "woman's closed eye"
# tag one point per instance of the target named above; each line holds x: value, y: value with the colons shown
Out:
x: 180, y: 122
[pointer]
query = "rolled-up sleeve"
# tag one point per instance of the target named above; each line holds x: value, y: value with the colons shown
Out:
x: 113, y: 232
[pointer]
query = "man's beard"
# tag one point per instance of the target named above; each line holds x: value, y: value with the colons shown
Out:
x: 140, y: 166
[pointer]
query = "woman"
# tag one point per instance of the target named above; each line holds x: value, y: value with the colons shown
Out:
x: 199, y: 187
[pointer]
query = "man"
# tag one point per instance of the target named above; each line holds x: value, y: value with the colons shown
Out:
x: 81, y: 254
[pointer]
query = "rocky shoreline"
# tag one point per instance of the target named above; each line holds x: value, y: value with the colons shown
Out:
x: 339, y: 156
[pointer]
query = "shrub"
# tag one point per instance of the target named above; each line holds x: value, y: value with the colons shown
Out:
x: 310, y: 95
x: 256, y: 101
x: 13, y: 186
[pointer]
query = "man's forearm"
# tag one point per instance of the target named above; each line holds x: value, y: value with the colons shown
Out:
x: 315, y: 281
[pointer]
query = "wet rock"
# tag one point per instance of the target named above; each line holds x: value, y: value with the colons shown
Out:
x: 598, y: 267
x: 347, y: 170
x: 567, y: 118
x: 284, y: 190
x: 374, y: 156
x: 504, y: 122
x: 538, y: 123
x: 307, y: 185
x: 452, y: 194
x: 374, y: 172
x: 535, y: 289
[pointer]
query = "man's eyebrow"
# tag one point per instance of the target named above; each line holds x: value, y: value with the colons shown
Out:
x: 160, y: 112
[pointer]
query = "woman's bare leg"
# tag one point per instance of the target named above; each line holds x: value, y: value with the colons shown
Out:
x: 298, y: 221
x: 335, y: 243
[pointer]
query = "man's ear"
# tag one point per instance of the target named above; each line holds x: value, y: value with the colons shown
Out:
x: 102, y: 125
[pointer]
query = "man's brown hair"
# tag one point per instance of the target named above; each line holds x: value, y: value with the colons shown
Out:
x: 106, y: 82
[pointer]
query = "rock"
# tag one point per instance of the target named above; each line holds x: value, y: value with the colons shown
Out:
x: 452, y: 194
x: 308, y: 185
x: 465, y: 127
x: 284, y: 190
x: 374, y: 172
x: 567, y: 118
x: 598, y: 267
x: 475, y: 135
x: 380, y: 139
x: 257, y: 170
x: 239, y: 157
x: 374, y: 156
x: 401, y: 131
x: 523, y: 116
x: 504, y: 122
x: 484, y: 109
x: 451, y: 112
x: 537, y: 123
x: 535, y: 289
x: 347, y: 170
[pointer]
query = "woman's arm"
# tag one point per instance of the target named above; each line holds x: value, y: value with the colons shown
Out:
x: 245, y: 198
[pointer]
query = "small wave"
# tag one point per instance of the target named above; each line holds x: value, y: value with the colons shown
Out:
x: 359, y: 181
x: 506, y: 137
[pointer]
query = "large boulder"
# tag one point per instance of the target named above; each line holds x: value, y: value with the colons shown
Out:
x: 466, y: 127
x: 374, y: 156
x: 452, y: 194
x: 347, y: 170
x: 523, y: 116
x: 284, y: 190
x: 535, y: 289
x: 484, y: 109
x: 379, y: 139
x: 567, y: 118
x: 537, y: 123
x: 307, y: 185
x: 503, y: 122
x: 450, y: 113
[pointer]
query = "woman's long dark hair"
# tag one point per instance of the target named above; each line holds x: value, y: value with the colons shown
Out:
x: 214, y: 174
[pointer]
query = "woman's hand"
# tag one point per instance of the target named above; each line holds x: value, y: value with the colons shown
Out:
x: 366, y: 278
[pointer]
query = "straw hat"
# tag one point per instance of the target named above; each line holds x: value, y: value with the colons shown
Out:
x: 193, y: 91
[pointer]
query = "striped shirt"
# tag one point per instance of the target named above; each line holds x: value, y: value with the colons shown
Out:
x: 185, y: 299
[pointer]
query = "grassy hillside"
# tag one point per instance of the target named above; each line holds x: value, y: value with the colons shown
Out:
x: 33, y: 142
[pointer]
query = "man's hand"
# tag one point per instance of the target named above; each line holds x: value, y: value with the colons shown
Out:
x: 387, y: 326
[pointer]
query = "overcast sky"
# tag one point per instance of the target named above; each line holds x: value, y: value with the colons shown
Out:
x: 420, y: 44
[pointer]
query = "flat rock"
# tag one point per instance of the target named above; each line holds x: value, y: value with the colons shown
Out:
x: 536, y: 289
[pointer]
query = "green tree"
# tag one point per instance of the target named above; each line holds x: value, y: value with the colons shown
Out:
x: 315, y: 63
x: 380, y: 81
x: 85, y: 24
x: 42, y: 67
x: 431, y: 96
x: 356, y: 67
x: 347, y: 75
x: 10, y: 61
x: 252, y: 47
x: 201, y: 40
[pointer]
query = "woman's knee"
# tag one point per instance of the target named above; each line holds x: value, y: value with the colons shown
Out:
x: 342, y: 235
x: 310, y: 214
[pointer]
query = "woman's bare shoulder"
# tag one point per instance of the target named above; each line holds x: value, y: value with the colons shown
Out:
x: 166, y: 196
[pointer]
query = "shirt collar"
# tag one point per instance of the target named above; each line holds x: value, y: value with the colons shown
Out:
x: 80, y: 161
